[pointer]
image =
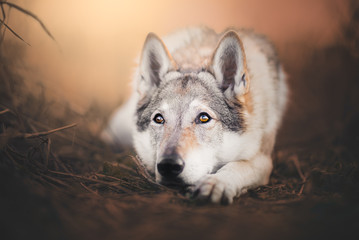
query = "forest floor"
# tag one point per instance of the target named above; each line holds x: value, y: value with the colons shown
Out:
x: 64, y: 183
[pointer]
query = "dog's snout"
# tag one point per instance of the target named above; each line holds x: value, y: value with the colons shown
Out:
x: 171, y: 166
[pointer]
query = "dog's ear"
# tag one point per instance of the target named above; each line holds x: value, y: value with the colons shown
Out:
x: 154, y: 64
x: 229, y: 65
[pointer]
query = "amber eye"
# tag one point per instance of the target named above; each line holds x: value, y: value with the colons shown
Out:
x: 203, y: 118
x: 159, y: 119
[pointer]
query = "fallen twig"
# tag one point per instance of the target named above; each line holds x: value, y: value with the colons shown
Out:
x: 143, y: 172
x: 295, y: 160
x: 79, y: 141
x: 4, y: 111
x: 112, y: 184
x: 55, y: 180
x: 48, y: 152
x: 58, y: 163
x: 301, y: 190
x: 112, y: 178
x: 90, y: 190
x: 42, y: 134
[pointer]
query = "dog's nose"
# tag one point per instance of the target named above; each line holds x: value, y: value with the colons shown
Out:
x: 170, y: 167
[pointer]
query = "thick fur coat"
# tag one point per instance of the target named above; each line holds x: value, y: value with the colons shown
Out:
x: 204, y: 111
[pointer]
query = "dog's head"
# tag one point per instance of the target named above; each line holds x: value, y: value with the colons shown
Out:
x: 187, y: 123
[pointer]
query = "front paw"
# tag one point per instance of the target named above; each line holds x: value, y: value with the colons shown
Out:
x: 214, y: 189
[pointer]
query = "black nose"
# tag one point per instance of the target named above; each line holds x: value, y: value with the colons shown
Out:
x: 170, y: 167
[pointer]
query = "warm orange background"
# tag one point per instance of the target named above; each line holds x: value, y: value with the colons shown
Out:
x: 99, y: 40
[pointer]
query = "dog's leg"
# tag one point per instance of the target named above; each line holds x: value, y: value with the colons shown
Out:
x: 233, y: 179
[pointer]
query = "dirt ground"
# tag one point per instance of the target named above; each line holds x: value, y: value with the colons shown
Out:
x: 66, y: 184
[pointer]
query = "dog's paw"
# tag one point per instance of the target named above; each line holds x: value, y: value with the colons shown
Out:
x: 214, y: 189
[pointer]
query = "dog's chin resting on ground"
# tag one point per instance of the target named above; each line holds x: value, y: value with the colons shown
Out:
x: 204, y: 111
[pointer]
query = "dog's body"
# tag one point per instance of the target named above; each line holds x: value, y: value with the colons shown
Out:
x: 205, y: 111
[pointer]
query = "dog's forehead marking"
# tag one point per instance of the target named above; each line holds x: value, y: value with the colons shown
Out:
x: 181, y: 91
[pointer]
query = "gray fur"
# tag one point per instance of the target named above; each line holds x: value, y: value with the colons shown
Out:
x: 228, y: 111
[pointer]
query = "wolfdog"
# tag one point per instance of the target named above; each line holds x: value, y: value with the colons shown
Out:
x: 204, y: 111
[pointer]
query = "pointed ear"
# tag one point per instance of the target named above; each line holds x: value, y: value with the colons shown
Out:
x: 229, y: 65
x: 154, y: 64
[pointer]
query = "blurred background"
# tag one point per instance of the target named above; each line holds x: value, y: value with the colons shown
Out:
x: 98, y: 41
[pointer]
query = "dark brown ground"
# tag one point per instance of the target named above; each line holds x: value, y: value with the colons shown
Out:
x: 68, y: 185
